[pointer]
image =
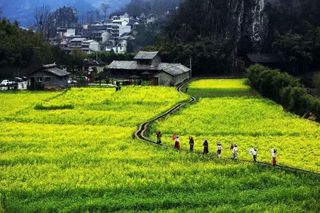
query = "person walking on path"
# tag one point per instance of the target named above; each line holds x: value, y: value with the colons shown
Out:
x: 235, y: 152
x: 174, y: 137
x: 231, y: 148
x: 159, y: 135
x: 219, y: 150
x: 191, y: 143
x: 254, y: 153
x: 274, y: 157
x: 205, y: 147
x: 177, y: 143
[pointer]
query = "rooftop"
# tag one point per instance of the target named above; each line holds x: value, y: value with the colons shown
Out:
x: 171, y: 69
x: 144, y: 55
x: 78, y: 39
x: 54, y: 70
x: 130, y: 65
x: 57, y: 72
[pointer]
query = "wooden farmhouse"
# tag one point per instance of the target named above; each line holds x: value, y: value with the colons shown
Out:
x: 48, y: 77
x: 147, y: 66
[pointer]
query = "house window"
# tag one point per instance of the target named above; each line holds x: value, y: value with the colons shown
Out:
x: 47, y: 79
x: 39, y: 79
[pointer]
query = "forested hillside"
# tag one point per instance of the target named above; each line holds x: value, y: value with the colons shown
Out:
x: 219, y: 33
x: 22, y: 51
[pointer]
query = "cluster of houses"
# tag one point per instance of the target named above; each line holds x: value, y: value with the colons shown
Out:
x: 146, y: 67
x: 111, y: 35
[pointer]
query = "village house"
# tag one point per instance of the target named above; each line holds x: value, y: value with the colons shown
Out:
x: 48, y: 77
x: 147, y: 66
x: 90, y: 46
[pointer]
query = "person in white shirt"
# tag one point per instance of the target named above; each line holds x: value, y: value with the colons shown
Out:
x: 235, y: 152
x: 219, y: 150
x: 254, y: 153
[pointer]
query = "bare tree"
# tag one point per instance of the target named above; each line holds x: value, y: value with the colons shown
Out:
x: 41, y: 16
x: 104, y: 7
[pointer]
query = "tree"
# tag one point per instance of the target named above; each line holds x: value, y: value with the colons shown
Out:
x: 62, y: 17
x: 316, y: 81
x: 104, y: 7
x: 24, y: 51
x: 41, y: 16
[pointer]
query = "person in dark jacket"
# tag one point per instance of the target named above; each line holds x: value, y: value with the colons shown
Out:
x: 191, y: 143
x: 205, y: 147
x: 274, y: 157
x: 159, y: 135
x: 177, y: 143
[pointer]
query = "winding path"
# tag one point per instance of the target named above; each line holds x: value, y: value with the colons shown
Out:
x: 143, y: 128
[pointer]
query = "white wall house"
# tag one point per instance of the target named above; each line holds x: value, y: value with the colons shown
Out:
x: 76, y: 43
x: 70, y: 32
x: 121, y: 47
x: 90, y: 46
x: 121, y: 20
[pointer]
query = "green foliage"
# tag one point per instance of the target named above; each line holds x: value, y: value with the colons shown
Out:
x: 294, y: 34
x: 208, y: 56
x: 284, y: 89
x: 23, y: 51
x: 53, y: 107
x: 316, y: 81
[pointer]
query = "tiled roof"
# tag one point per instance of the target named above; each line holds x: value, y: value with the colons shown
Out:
x: 58, y: 72
x: 174, y: 69
x: 171, y: 69
x: 144, y: 55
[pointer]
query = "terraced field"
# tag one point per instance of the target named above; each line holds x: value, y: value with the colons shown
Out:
x: 74, y: 152
x: 247, y: 120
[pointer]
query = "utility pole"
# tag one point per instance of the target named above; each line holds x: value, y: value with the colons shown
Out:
x: 190, y: 66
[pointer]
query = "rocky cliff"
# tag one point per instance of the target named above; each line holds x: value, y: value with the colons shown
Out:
x: 253, y: 21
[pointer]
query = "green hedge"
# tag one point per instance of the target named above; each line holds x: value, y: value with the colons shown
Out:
x: 284, y: 89
x: 53, y: 107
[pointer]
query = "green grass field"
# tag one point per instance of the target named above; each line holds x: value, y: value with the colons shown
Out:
x: 82, y: 158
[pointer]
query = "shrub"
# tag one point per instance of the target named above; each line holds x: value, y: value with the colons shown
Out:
x: 284, y: 89
x: 53, y: 107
